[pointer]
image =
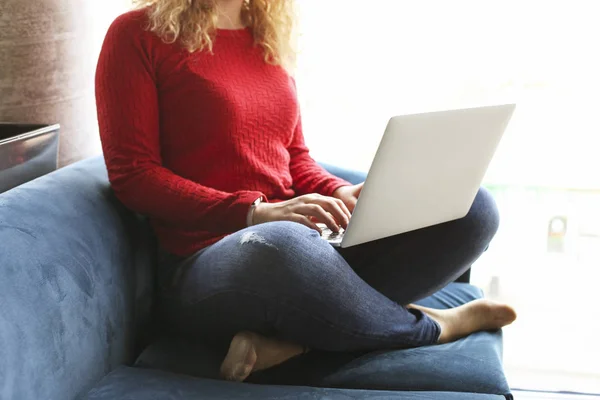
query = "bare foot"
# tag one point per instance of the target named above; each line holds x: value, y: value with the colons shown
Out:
x: 250, y: 352
x: 478, y: 315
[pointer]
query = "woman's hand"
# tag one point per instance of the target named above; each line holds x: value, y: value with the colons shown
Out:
x: 306, y: 210
x: 349, y: 195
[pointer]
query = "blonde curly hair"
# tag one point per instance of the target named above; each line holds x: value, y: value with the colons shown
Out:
x: 193, y: 23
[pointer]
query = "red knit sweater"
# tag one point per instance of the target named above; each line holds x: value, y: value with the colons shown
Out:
x: 193, y: 139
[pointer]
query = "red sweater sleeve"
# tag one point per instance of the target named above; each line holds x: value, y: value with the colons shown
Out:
x: 308, y: 176
x: 128, y: 117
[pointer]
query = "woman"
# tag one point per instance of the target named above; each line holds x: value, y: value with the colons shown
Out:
x: 201, y: 131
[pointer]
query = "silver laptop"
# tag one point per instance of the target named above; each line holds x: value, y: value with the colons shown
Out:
x: 427, y: 171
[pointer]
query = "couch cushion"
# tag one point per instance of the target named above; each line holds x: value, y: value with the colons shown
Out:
x: 473, y: 364
x: 140, y: 384
x: 75, y: 284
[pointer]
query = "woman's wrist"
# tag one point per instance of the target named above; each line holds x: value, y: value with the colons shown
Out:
x: 255, y: 212
x: 252, y: 211
x: 337, y: 192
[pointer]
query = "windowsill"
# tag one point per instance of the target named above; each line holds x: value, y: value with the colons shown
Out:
x: 551, y: 396
x: 549, y: 382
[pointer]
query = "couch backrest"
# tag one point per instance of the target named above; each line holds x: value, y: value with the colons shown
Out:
x: 75, y: 284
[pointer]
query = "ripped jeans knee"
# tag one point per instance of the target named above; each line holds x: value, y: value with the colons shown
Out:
x: 252, y: 237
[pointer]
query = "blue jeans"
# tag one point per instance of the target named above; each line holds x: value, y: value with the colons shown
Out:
x: 281, y: 279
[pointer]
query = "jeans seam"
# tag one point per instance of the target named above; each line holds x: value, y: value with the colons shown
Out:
x: 412, y: 342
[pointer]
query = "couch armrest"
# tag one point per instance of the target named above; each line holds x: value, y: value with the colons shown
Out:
x: 71, y: 272
x: 354, y: 177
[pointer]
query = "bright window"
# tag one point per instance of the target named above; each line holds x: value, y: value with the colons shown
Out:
x: 362, y: 62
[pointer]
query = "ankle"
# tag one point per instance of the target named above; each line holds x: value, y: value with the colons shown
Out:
x: 446, y: 334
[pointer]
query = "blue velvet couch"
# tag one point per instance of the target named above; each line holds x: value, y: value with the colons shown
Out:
x: 76, y: 317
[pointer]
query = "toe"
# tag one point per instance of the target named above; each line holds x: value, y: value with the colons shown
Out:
x: 508, y: 314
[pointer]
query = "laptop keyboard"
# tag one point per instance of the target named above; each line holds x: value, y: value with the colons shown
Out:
x: 329, y: 235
